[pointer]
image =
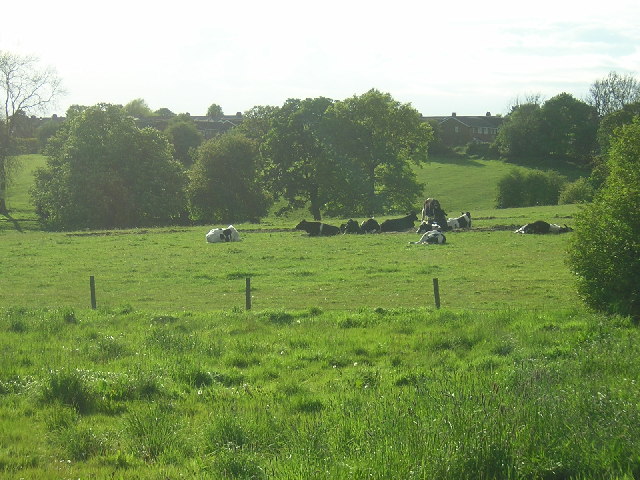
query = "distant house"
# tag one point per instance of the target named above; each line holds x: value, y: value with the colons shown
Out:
x: 209, y: 127
x: 459, y: 130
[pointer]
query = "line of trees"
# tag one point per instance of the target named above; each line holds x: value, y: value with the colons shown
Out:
x: 339, y: 157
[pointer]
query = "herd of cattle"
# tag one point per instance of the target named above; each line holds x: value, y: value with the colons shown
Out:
x: 434, y: 222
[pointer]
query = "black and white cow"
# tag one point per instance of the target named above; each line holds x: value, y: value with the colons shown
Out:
x: 427, y: 226
x: 217, y: 235
x: 370, y: 226
x: 542, y: 227
x: 399, y: 224
x: 433, y: 212
x: 463, y: 221
x: 435, y: 237
x: 315, y: 229
x: 350, y: 227
x: 430, y: 207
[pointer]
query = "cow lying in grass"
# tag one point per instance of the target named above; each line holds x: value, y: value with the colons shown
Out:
x: 350, y: 227
x: 370, y: 225
x: 315, y: 229
x: 433, y: 237
x: 399, y: 224
x: 427, y: 226
x: 542, y: 227
x: 463, y: 221
x: 217, y: 235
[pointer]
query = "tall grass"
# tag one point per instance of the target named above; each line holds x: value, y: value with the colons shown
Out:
x: 368, y: 394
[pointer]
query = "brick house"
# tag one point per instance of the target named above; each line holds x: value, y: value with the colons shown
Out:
x: 458, y: 130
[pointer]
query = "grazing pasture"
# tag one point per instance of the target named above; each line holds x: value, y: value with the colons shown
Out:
x: 343, y: 369
x: 176, y: 269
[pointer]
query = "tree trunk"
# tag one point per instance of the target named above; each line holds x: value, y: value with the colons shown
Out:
x: 3, y: 187
x: 315, y: 204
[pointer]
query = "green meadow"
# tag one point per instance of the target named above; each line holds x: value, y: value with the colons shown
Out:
x: 343, y: 368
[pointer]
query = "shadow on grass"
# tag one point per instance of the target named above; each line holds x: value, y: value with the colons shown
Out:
x: 8, y: 222
x: 455, y: 159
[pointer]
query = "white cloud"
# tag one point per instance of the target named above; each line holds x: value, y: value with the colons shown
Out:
x: 463, y: 56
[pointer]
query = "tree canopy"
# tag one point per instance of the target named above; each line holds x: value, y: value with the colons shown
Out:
x: 562, y: 128
x: 215, y: 111
x: 347, y: 157
x: 104, y: 172
x: 376, y: 139
x: 224, y: 182
x: 185, y: 138
x: 604, y: 250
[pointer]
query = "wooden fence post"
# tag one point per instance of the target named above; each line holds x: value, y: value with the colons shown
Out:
x: 92, y: 286
x: 248, y: 293
x: 436, y: 292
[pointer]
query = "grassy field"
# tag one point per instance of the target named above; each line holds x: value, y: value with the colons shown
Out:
x: 343, y: 369
x: 405, y: 393
x: 175, y: 269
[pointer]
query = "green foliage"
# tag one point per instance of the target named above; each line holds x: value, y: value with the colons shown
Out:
x: 379, y: 139
x: 580, y: 191
x: 563, y: 128
x: 297, y: 165
x: 104, y: 172
x: 520, y: 136
x: 604, y: 252
x: 185, y: 138
x: 25, y: 146
x: 214, y: 111
x: 351, y: 157
x: 614, y: 120
x: 138, y: 108
x: 522, y: 188
x: 569, y: 129
x: 224, y: 181
x: 46, y: 131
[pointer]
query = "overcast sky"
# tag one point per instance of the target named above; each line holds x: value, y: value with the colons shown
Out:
x: 467, y: 56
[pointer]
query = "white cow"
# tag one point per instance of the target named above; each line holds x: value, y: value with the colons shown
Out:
x: 229, y: 234
x: 434, y: 236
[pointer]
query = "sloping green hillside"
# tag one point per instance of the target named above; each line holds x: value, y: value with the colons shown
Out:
x: 463, y: 184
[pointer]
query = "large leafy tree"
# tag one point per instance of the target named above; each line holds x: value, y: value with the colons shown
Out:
x: 138, y: 108
x: 610, y: 122
x: 224, y: 184
x: 605, y: 248
x: 297, y: 163
x: 25, y: 88
x: 185, y: 137
x: 569, y: 129
x: 521, y: 135
x: 105, y: 172
x: 214, y: 111
x: 374, y: 140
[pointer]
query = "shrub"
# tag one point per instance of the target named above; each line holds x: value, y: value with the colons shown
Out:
x: 608, y: 265
x: 529, y: 188
x: 580, y: 191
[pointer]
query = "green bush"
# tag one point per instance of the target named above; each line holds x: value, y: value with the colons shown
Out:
x: 580, y: 191
x: 604, y: 250
x: 529, y: 188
